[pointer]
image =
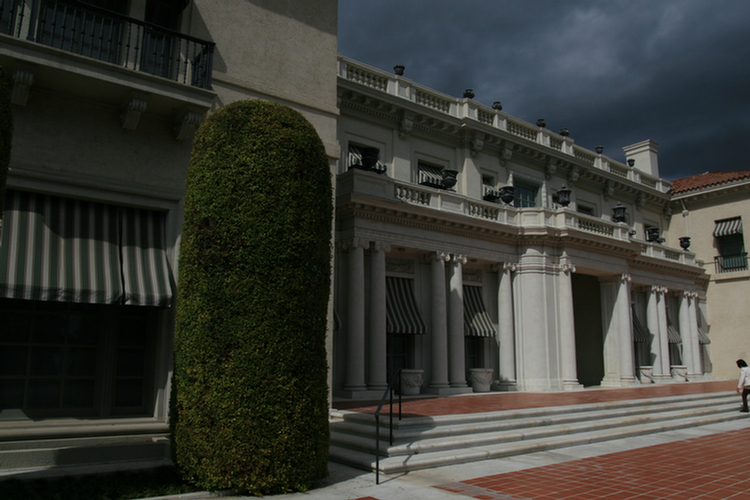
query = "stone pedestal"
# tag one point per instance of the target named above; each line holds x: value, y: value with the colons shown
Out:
x: 481, y: 379
x: 679, y: 373
x: 646, y: 374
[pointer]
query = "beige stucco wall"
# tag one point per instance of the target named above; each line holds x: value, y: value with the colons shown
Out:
x: 727, y: 308
x: 281, y: 50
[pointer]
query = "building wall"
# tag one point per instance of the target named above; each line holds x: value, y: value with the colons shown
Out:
x: 695, y: 215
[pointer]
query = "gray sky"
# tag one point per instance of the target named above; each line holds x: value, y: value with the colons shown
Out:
x: 614, y: 72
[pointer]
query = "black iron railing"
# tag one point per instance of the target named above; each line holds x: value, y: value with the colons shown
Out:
x: 397, y: 382
x: 101, y: 34
x: 731, y: 263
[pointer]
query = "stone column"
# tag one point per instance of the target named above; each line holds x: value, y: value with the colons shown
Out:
x: 652, y: 323
x: 666, y: 365
x: 505, y: 330
x: 438, y: 327
x: 567, y: 330
x: 685, y: 332
x: 376, y: 379
x: 456, y: 361
x: 355, y: 346
x: 627, y: 366
x: 693, y: 320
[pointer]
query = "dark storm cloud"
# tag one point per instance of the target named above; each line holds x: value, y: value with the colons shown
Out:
x: 613, y: 72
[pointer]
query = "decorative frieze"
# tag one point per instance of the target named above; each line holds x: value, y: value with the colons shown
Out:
x: 394, y: 265
x: 472, y: 275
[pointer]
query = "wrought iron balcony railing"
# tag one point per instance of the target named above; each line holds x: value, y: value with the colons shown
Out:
x: 731, y: 263
x: 101, y: 34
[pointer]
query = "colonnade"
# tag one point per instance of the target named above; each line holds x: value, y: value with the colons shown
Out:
x: 366, y: 367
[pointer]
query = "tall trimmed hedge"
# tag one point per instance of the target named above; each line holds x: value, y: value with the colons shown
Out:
x: 6, y: 137
x: 250, y: 406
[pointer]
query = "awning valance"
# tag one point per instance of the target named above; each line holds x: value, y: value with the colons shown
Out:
x: 66, y: 250
x: 728, y: 227
x: 640, y: 332
x: 477, y: 322
x: 402, y: 315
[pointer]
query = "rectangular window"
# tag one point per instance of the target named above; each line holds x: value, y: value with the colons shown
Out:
x: 730, y: 243
x: 525, y: 195
x: 64, y: 359
x: 585, y: 210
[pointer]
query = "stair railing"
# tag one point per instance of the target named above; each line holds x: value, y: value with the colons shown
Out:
x: 395, y: 380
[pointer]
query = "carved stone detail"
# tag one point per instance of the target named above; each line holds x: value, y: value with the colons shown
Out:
x: 23, y: 79
x: 187, y: 123
x: 132, y: 109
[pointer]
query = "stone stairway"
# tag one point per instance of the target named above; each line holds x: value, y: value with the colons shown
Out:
x: 426, y: 442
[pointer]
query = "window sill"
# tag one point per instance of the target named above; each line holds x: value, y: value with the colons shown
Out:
x: 731, y: 276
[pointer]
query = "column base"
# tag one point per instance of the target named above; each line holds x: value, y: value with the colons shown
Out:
x: 505, y: 385
x: 572, y: 385
x: 359, y: 393
x: 663, y: 379
x: 448, y: 391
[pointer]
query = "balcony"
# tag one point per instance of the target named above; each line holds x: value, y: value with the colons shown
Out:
x: 107, y: 36
x: 731, y: 263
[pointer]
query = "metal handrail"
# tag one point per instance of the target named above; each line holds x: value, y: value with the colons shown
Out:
x: 394, y: 380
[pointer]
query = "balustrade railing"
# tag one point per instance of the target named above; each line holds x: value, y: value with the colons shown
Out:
x: 731, y: 263
x: 104, y: 35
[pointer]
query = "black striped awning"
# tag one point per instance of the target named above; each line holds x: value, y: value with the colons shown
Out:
x: 728, y: 227
x: 66, y: 250
x: 402, y: 315
x: 430, y: 176
x: 640, y: 332
x: 354, y: 158
x: 703, y: 328
x: 477, y: 322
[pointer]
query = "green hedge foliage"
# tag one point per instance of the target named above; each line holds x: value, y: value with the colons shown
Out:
x: 6, y: 138
x: 250, y: 406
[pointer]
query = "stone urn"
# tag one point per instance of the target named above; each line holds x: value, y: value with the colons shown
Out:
x: 450, y: 177
x: 481, y: 379
x: 679, y: 373
x: 411, y: 381
x: 647, y: 374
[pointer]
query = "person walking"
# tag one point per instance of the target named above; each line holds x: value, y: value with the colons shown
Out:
x: 744, y: 385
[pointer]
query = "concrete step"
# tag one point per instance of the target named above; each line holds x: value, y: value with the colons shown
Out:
x: 425, y: 442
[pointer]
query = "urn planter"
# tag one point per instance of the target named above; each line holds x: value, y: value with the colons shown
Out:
x: 647, y: 374
x: 481, y: 379
x: 679, y: 373
x: 411, y: 381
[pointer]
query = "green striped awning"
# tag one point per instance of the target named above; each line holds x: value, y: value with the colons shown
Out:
x: 640, y: 332
x: 728, y: 227
x: 66, y: 250
x: 402, y: 315
x: 145, y: 271
x: 703, y: 328
x: 477, y: 322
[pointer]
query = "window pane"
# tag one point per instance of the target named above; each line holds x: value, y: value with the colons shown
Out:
x: 78, y: 394
x: 525, y: 195
x: 15, y: 326
x: 43, y: 394
x: 129, y: 393
x: 130, y: 363
x: 49, y: 328
x: 81, y: 362
x: 11, y: 394
x: 13, y: 360
x: 46, y: 361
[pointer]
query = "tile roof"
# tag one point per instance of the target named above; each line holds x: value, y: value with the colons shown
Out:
x: 707, y: 179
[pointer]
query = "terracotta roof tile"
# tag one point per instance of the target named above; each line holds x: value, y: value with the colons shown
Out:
x: 707, y: 179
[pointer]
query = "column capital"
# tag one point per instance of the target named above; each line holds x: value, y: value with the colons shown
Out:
x: 459, y: 259
x: 437, y: 256
x: 355, y: 243
x: 379, y: 246
x: 568, y: 268
x: 505, y: 267
x: 690, y: 294
x: 625, y: 278
x: 659, y: 289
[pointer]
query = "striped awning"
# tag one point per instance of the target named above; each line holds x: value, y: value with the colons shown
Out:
x: 354, y: 158
x: 66, y: 250
x: 477, y: 322
x: 728, y: 227
x: 672, y: 334
x: 430, y: 176
x: 145, y: 270
x: 402, y: 315
x: 640, y: 332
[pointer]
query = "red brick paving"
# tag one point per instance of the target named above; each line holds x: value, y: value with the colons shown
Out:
x: 706, y: 468
x: 497, y: 401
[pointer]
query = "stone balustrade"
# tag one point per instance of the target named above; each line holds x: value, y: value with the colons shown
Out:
x: 463, y: 108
